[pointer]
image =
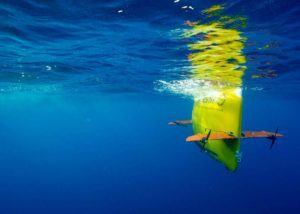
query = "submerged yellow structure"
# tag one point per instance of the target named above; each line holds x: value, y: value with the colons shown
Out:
x: 216, y: 57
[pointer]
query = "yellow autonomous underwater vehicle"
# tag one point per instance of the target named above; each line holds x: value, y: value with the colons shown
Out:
x: 216, y: 58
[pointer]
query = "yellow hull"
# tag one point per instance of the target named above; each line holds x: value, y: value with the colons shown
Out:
x: 220, y: 113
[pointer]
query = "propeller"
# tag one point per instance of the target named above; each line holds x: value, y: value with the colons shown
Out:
x: 204, y: 140
x: 273, y: 138
x: 208, y: 134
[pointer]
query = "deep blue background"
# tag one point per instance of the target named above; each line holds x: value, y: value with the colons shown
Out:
x: 115, y: 154
x: 83, y: 128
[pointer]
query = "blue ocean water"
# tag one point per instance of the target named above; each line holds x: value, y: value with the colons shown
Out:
x: 84, y: 115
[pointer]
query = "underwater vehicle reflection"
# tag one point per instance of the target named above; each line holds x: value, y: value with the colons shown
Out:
x: 216, y: 57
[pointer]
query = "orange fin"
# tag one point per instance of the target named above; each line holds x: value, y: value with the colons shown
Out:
x: 259, y: 134
x: 213, y: 136
x: 226, y: 136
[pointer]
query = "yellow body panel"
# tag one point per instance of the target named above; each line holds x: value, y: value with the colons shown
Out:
x: 220, y: 114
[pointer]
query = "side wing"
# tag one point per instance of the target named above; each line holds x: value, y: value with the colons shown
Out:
x: 227, y: 136
x: 180, y: 122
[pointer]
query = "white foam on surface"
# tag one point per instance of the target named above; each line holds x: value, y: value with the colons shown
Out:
x: 194, y: 88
